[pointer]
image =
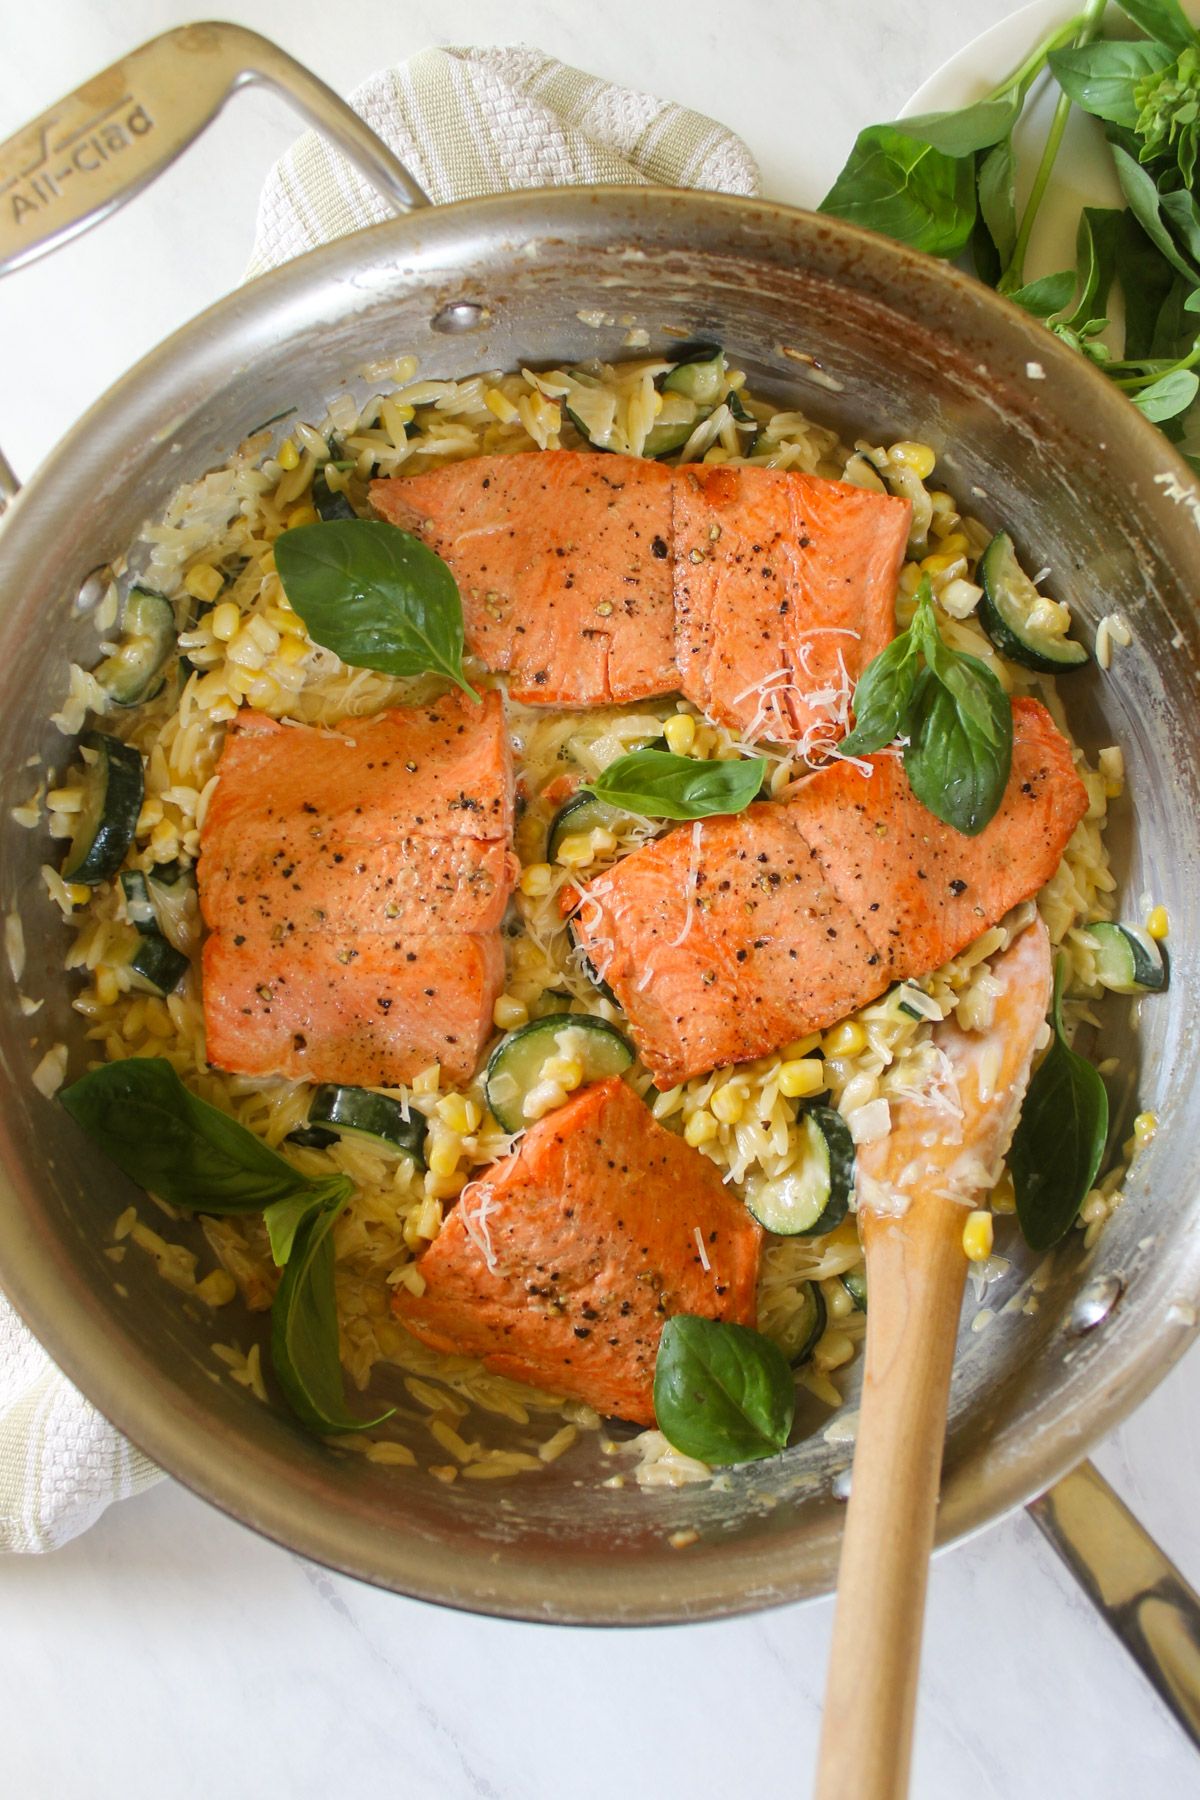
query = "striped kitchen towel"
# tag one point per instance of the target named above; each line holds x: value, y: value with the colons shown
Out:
x: 465, y: 122
x: 468, y: 122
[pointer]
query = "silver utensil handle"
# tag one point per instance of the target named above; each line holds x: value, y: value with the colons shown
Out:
x: 101, y: 145
x: 1133, y: 1586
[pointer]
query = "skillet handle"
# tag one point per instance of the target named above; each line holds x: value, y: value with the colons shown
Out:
x: 1133, y: 1586
x: 103, y: 143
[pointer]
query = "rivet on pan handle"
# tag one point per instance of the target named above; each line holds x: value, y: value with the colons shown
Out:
x: 101, y: 145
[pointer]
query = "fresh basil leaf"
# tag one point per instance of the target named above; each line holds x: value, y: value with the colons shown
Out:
x: 998, y: 198
x: 1059, y: 1139
x: 1146, y: 279
x: 1162, y: 19
x: 1049, y: 294
x: 376, y: 596
x: 907, y: 190
x: 178, y: 1146
x: 1101, y: 78
x: 1183, y: 217
x: 969, y: 129
x: 304, y: 1330
x: 655, y: 784
x: 882, y: 697
x: 284, y: 1218
x: 1145, y: 204
x: 1095, y: 263
x: 722, y: 1393
x: 1169, y: 396
x: 960, y: 742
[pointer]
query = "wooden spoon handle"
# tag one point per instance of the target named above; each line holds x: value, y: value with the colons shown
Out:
x: 915, y: 1273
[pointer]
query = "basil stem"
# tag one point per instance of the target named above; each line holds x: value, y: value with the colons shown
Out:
x: 1059, y: 1139
x: 304, y: 1329
x: 722, y: 1393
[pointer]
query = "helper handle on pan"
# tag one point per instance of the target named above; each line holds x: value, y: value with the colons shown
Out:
x: 1135, y: 1589
x: 101, y: 145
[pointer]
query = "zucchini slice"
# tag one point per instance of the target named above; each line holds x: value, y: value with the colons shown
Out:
x: 138, y: 903
x: 157, y: 965
x: 812, y: 1198
x: 330, y: 505
x: 113, y: 789
x: 855, y: 1284
x: 1006, y: 609
x: 515, y: 1066
x: 588, y: 970
x: 369, y: 1118
x: 742, y: 416
x: 312, y: 1137
x: 147, y: 642
x: 1128, y: 960
x: 698, y: 374
x: 802, y: 1332
x: 581, y: 813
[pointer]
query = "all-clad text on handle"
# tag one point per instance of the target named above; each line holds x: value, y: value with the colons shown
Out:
x: 103, y: 143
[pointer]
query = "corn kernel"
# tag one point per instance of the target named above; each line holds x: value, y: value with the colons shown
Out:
x: 937, y: 565
x: 910, y: 579
x: 839, y: 1303
x: 164, y: 838
x: 65, y: 800
x: 957, y: 543
x: 977, y: 1236
x: 680, y: 733
x: 501, y: 405
x: 537, y: 880
x: 1158, y: 925
x: 108, y: 988
x: 802, y: 1077
x: 700, y: 1128
x: 293, y: 650
x: 575, y: 848
x: 225, y: 621
x: 444, y: 1153
x: 728, y: 1104
x: 800, y: 1047
x: 459, y: 1113
x: 217, y: 1288
x: 303, y: 514
x: 917, y: 457
x: 428, y: 1081
x: 567, y: 1071
x: 203, y: 582
x: 1144, y: 1128
x: 846, y: 1039
x: 77, y: 893
x: 287, y: 455
x: 509, y: 1012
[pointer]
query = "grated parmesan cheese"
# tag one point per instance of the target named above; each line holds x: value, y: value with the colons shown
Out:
x: 690, y: 890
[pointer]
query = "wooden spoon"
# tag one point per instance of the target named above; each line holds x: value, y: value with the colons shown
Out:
x: 914, y: 1188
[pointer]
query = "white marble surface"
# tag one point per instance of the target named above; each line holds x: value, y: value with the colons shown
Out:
x: 170, y: 1653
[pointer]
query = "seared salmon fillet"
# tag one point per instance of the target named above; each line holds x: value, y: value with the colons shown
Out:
x: 562, y: 559
x: 785, y: 589
x: 802, y: 911
x: 717, y: 937
x: 920, y: 889
x: 353, y: 882
x: 561, y: 1265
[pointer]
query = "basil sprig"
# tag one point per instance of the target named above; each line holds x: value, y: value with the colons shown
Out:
x: 1059, y: 1139
x: 954, y: 713
x: 376, y: 596
x: 722, y: 1393
x: 656, y: 784
x: 195, y: 1156
x: 946, y: 180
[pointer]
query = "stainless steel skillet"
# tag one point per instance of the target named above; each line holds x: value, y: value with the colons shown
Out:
x: 858, y: 332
